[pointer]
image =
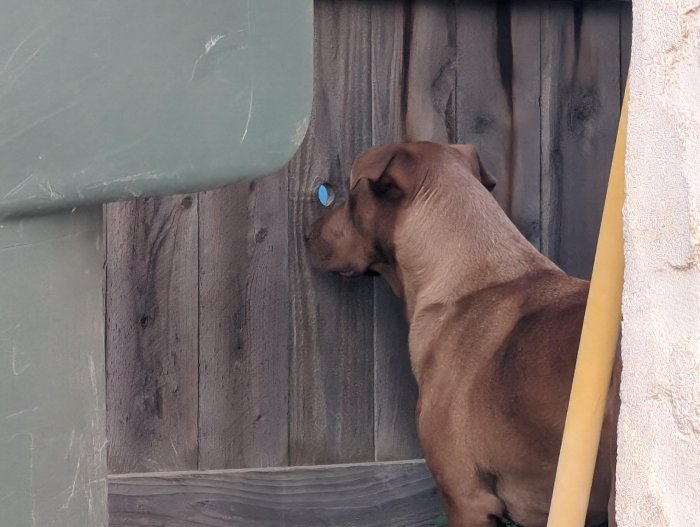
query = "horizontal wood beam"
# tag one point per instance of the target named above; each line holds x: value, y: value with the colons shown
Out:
x: 389, y: 494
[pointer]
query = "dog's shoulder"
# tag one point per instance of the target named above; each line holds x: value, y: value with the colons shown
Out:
x: 505, y: 318
x: 549, y: 309
x: 528, y: 372
x: 537, y: 356
x: 526, y: 328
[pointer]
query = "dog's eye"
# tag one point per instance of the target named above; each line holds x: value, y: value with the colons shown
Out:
x: 325, y: 194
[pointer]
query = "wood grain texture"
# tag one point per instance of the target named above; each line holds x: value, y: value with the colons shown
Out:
x: 389, y: 51
x: 151, y: 334
x: 580, y: 110
x: 484, y: 87
x: 498, y: 101
x: 361, y: 495
x: 625, y: 43
x: 429, y: 82
x: 395, y: 388
x: 243, y: 325
x: 524, y: 183
x: 412, y: 98
x: 331, y: 407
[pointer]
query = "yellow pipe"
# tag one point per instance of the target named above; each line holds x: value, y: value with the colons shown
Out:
x: 596, y: 355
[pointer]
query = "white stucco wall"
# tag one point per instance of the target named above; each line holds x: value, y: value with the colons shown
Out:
x: 659, y: 433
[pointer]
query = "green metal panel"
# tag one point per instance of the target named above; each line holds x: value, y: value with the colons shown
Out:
x: 103, y: 100
x: 52, y: 437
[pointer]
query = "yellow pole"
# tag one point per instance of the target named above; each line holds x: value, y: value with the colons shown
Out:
x: 596, y: 355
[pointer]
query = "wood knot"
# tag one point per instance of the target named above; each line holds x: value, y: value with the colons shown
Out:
x: 584, y: 106
x: 481, y: 124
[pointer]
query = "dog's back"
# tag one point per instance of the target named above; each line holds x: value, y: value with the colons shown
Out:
x: 514, y: 345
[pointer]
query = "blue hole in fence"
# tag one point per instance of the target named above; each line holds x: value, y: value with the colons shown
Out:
x: 326, y: 195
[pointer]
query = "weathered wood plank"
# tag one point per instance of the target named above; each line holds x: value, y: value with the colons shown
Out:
x: 331, y: 407
x: 413, y: 48
x: 395, y: 389
x: 498, y: 101
x: 389, y: 49
x: 365, y: 495
x: 484, y: 89
x: 428, y: 87
x: 151, y: 334
x: 243, y: 325
x: 525, y: 127
x: 580, y: 110
x: 625, y: 43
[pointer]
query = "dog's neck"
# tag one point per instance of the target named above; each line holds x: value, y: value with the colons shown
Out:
x: 451, y: 244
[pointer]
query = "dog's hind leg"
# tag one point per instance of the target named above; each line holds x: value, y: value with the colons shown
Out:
x: 479, y: 508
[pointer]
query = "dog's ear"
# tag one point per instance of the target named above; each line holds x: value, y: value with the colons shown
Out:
x: 387, y: 169
x: 470, y: 155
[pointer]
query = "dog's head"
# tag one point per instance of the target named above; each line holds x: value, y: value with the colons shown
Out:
x: 357, y: 236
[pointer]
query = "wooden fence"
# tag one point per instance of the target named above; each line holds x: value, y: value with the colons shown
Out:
x: 226, y: 350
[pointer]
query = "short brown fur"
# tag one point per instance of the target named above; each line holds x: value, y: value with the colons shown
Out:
x: 494, y: 328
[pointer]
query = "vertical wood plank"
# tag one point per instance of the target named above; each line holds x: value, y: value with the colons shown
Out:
x: 151, y: 334
x: 498, y: 101
x: 395, y: 389
x: 625, y: 43
x: 580, y: 109
x: 413, y: 48
x: 331, y: 406
x: 244, y: 325
x: 429, y: 83
x: 525, y: 126
x: 390, y: 47
x: 483, y: 89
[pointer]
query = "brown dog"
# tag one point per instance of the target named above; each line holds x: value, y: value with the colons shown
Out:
x: 494, y: 327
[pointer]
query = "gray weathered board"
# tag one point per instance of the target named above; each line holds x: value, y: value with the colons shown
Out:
x: 114, y: 99
x: 398, y: 494
x: 226, y: 350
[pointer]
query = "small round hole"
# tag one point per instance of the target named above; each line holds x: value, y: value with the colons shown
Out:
x: 325, y: 194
